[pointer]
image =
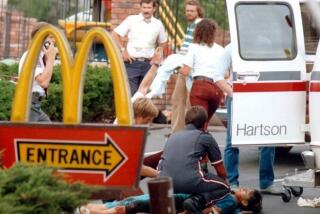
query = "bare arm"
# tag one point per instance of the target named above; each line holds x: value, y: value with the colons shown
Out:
x: 221, y: 171
x: 44, y: 78
x: 147, y: 171
x: 225, y: 87
x: 185, y: 70
x: 164, y: 46
x: 147, y: 80
x: 119, y: 40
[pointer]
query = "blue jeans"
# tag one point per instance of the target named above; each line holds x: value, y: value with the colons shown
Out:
x: 231, y: 158
x: 136, y: 72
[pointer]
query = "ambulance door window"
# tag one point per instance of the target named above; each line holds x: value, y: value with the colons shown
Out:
x: 266, y: 31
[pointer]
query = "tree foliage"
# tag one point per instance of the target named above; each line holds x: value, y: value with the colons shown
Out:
x: 44, y: 10
x: 214, y: 9
x: 32, y: 8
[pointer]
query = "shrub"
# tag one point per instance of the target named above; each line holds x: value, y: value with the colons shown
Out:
x: 38, y: 189
x: 98, y: 104
x: 6, y: 94
x: 7, y: 71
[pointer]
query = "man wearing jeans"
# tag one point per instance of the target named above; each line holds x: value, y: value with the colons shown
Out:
x: 144, y: 33
x: 231, y: 154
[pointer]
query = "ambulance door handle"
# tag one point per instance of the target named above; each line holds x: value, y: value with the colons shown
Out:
x: 249, y: 76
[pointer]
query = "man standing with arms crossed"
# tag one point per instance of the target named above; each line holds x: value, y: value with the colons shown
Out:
x: 144, y: 33
x: 180, y: 96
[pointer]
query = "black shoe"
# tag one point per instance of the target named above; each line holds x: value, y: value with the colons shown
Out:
x: 194, y: 204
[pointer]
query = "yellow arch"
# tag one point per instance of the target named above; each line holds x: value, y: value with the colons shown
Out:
x: 73, y: 72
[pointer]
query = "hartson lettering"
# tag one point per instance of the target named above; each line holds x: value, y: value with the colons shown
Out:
x: 261, y: 130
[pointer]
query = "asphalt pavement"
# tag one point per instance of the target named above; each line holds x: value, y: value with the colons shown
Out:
x: 249, y: 159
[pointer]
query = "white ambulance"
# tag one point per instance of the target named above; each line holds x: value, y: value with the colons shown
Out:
x: 273, y: 43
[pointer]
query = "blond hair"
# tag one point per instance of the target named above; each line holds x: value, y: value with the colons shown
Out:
x: 144, y: 107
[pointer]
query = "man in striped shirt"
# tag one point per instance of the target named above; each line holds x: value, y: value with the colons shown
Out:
x: 180, y: 96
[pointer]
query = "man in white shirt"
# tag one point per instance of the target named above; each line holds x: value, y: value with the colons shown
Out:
x: 144, y: 33
x: 42, y: 74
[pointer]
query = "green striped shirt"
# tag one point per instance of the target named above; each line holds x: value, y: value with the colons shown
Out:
x: 188, y: 37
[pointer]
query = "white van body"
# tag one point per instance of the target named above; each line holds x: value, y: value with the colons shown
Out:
x: 270, y: 82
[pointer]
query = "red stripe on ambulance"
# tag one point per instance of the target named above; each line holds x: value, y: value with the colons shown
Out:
x: 315, y: 87
x: 270, y: 87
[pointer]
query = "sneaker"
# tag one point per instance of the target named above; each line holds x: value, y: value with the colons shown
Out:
x: 194, y: 204
x: 272, y: 190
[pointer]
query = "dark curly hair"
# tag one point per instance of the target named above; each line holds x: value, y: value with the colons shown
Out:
x: 254, y: 202
x: 205, y: 32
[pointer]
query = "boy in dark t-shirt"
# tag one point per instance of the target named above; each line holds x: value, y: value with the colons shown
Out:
x: 182, y: 155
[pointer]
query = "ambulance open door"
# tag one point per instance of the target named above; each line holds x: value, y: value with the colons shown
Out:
x: 269, y: 87
x: 314, y: 107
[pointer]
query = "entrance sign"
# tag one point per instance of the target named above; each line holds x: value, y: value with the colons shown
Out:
x: 95, y: 154
x: 269, y: 73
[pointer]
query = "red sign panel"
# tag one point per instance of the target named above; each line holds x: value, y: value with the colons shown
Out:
x: 95, y: 154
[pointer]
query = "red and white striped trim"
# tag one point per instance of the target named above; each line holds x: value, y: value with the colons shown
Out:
x: 270, y: 87
x: 314, y: 86
x: 216, y: 162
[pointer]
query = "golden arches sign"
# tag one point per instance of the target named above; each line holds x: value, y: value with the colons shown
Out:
x: 73, y: 72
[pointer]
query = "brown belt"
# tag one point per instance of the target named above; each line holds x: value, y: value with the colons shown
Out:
x: 203, y: 78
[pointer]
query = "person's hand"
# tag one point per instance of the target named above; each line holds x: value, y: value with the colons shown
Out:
x: 157, y: 57
x: 126, y: 57
x: 50, y: 52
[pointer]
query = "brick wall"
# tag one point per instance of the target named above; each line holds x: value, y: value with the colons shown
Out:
x: 16, y: 33
x: 123, y: 8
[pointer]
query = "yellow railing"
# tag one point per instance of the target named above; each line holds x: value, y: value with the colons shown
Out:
x: 170, y: 21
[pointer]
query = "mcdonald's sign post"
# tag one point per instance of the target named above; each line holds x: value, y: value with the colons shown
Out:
x: 96, y: 154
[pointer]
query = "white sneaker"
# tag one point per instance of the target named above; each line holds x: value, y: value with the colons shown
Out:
x: 271, y: 190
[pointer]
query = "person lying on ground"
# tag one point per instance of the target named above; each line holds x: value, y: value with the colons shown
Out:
x: 245, y: 199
